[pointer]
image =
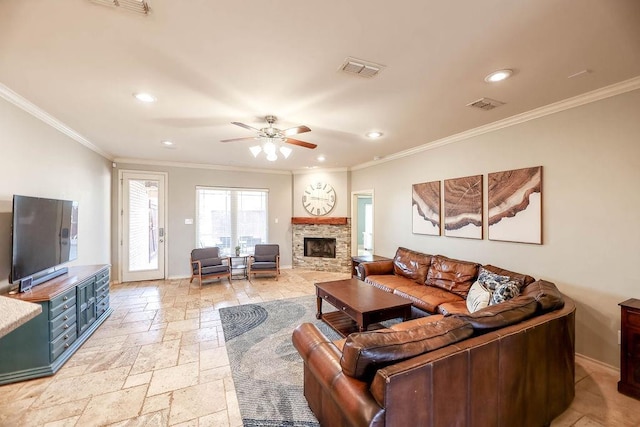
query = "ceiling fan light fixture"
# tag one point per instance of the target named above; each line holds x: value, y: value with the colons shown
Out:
x: 255, y: 150
x: 285, y: 151
x: 269, y: 147
x: 272, y: 157
x: 498, y: 76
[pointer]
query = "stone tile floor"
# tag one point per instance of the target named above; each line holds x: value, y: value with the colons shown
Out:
x: 160, y: 360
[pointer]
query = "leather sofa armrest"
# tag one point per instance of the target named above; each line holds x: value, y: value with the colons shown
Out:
x: 322, y: 358
x: 375, y: 267
x: 546, y: 294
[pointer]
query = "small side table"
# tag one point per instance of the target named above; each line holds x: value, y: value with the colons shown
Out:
x: 629, y: 383
x: 238, y: 264
x: 357, y: 260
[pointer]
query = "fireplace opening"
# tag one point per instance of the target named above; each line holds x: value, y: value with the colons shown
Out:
x: 320, y: 247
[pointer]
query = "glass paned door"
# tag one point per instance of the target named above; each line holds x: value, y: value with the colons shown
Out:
x: 143, y: 236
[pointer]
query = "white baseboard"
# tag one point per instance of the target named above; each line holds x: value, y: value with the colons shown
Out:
x: 597, y: 362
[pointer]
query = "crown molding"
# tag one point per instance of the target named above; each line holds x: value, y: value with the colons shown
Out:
x: 132, y: 161
x: 586, y: 98
x: 47, y: 118
x: 318, y: 170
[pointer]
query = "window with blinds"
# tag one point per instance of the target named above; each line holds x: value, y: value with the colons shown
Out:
x: 231, y: 217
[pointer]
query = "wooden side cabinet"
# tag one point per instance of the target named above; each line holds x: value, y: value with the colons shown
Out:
x: 73, y: 306
x: 630, y: 350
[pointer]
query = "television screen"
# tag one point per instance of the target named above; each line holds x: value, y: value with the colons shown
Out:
x: 45, y: 235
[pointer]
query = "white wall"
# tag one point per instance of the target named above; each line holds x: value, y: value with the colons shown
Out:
x: 39, y: 161
x: 591, y: 221
x: 339, y: 180
x: 181, y: 201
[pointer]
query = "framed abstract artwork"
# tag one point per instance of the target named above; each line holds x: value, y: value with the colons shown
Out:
x: 463, y: 207
x: 425, y: 208
x: 515, y: 205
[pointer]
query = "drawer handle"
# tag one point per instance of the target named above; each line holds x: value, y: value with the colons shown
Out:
x: 65, y: 306
x: 66, y: 336
x: 344, y: 308
x: 65, y: 298
x: 66, y: 345
x: 326, y: 297
x: 66, y: 326
x: 66, y: 318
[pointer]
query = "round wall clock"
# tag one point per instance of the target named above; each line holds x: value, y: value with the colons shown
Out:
x: 319, y: 198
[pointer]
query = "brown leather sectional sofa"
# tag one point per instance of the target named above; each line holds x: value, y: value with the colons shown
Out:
x: 510, y: 364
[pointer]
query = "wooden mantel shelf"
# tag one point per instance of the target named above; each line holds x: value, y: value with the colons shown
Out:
x: 336, y: 220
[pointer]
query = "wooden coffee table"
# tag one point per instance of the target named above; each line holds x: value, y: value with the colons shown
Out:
x: 359, y: 305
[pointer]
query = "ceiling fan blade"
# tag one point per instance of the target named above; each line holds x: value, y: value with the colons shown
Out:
x: 300, y: 143
x: 238, y: 139
x: 242, y: 125
x: 296, y: 130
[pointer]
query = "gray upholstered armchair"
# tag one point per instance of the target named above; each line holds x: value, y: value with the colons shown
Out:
x: 266, y: 259
x: 207, y: 263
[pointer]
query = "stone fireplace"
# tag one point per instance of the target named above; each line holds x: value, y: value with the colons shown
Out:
x: 322, y: 244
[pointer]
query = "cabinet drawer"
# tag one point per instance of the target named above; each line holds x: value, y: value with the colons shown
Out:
x: 65, y: 317
x: 62, y: 303
x: 102, y: 277
x: 103, y: 305
x: 102, y: 292
x: 63, y: 342
x: 67, y: 325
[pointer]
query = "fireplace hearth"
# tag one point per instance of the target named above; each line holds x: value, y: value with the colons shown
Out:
x: 320, y: 247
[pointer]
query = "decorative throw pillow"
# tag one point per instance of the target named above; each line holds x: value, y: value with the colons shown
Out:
x: 504, y: 292
x: 491, y: 280
x: 478, y: 297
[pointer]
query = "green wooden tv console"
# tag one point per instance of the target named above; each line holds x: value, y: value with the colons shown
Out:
x: 73, y: 306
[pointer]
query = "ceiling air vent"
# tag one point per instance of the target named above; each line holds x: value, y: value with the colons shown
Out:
x: 360, y: 68
x: 485, y: 104
x: 140, y: 6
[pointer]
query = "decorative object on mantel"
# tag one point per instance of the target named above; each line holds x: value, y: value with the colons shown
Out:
x: 425, y: 208
x: 463, y: 207
x: 515, y: 205
x: 319, y: 198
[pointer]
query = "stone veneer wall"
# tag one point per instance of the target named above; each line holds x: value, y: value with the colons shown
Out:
x: 342, y: 234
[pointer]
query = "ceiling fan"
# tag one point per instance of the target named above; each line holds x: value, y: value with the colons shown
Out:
x: 272, y: 133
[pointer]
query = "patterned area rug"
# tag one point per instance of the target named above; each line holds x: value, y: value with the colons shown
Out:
x: 266, y: 368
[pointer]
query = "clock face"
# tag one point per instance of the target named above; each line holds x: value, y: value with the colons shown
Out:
x: 319, y: 199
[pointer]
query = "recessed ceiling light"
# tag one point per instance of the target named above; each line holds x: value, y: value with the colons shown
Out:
x: 498, y: 76
x: 145, y: 97
x: 321, y: 158
x: 373, y: 134
x: 167, y: 143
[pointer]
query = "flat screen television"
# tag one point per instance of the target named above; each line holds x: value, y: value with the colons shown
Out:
x: 44, y: 236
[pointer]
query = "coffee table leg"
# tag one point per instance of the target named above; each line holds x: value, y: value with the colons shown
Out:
x: 319, y: 306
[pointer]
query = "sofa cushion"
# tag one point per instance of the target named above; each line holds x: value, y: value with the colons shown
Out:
x: 455, y: 307
x: 492, y: 280
x: 478, y: 298
x: 504, y: 292
x: 522, y: 279
x: 411, y: 264
x: 365, y: 352
x: 389, y: 282
x: 264, y: 258
x: 427, y: 298
x: 546, y: 294
x: 452, y: 275
x: 497, y: 316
